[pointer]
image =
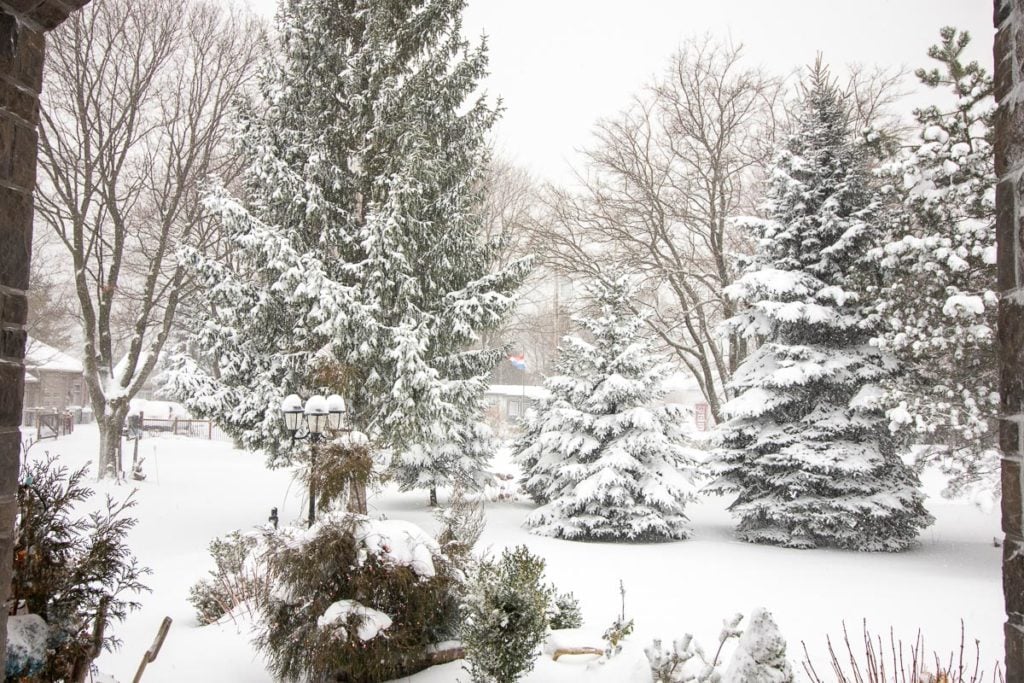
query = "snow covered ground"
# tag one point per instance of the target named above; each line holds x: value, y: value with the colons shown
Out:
x: 197, y: 490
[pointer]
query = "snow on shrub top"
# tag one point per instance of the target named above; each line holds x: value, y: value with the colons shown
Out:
x: 372, y: 622
x: 394, y: 541
x: 401, y: 543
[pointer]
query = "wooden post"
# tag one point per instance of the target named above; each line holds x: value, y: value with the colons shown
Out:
x: 209, y: 430
x: 154, y: 649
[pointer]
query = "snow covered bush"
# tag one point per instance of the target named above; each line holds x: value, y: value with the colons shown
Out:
x: 937, y: 300
x: 565, y: 612
x: 505, y: 616
x: 760, y: 656
x: 807, y: 448
x: 237, y: 580
x: 355, y: 599
x: 605, y: 461
x: 76, y: 573
x: 686, y: 660
x: 462, y: 523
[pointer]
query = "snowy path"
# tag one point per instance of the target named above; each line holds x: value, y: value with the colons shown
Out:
x: 197, y: 490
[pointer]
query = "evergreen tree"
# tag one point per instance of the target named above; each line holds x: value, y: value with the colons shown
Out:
x: 806, y: 446
x: 606, y: 463
x: 356, y: 249
x: 938, y: 261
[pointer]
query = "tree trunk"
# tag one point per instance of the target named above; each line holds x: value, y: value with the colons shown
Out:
x: 433, y: 496
x: 110, y: 424
x: 356, y: 497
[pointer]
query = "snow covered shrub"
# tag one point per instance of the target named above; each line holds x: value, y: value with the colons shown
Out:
x: 341, y: 472
x: 238, y: 578
x: 565, y: 612
x: 73, y: 572
x: 907, y: 664
x: 355, y: 599
x: 462, y: 523
x: 760, y: 656
x: 505, y: 616
x: 603, y: 459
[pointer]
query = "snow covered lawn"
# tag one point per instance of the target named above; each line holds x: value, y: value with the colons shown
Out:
x: 197, y: 490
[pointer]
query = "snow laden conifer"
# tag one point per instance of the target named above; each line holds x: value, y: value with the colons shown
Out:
x: 354, y: 251
x: 806, y: 447
x: 938, y: 261
x: 605, y: 461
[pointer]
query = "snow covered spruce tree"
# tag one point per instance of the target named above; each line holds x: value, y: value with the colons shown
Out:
x: 355, y: 246
x: 606, y: 463
x: 806, y: 448
x: 938, y: 260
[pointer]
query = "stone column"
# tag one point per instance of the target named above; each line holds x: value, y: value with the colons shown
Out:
x: 1009, y: 160
x: 22, y: 25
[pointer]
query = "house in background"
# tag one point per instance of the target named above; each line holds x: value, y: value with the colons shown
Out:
x: 54, y: 381
x: 507, y: 403
x: 681, y: 388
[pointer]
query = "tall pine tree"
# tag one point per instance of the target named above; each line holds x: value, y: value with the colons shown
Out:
x: 356, y: 249
x: 938, y: 261
x: 806, y: 448
x: 607, y: 463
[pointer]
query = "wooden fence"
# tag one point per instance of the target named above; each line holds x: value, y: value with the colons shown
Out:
x: 179, y: 426
x: 52, y: 425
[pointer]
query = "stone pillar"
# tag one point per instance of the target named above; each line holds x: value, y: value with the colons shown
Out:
x: 1009, y: 161
x: 22, y: 25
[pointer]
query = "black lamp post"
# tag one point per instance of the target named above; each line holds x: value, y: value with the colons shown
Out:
x: 319, y: 415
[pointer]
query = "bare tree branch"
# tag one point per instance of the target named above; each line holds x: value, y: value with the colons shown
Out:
x: 134, y: 119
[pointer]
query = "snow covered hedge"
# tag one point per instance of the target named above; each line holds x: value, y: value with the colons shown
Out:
x: 356, y: 599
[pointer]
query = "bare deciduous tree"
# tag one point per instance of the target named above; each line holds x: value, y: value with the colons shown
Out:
x: 656, y: 198
x: 134, y: 119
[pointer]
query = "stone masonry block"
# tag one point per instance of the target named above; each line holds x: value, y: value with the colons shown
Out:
x: 12, y: 389
x: 1011, y: 356
x: 1008, y: 254
x: 13, y: 309
x: 1011, y: 499
x: 15, y: 237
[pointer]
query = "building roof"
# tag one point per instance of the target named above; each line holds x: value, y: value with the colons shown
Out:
x: 40, y: 356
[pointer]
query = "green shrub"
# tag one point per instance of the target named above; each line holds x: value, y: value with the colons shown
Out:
x: 505, y: 616
x: 352, y: 565
x: 76, y: 573
x: 238, y: 580
x: 565, y: 612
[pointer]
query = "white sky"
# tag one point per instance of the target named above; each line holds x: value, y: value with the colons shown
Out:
x: 559, y: 65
